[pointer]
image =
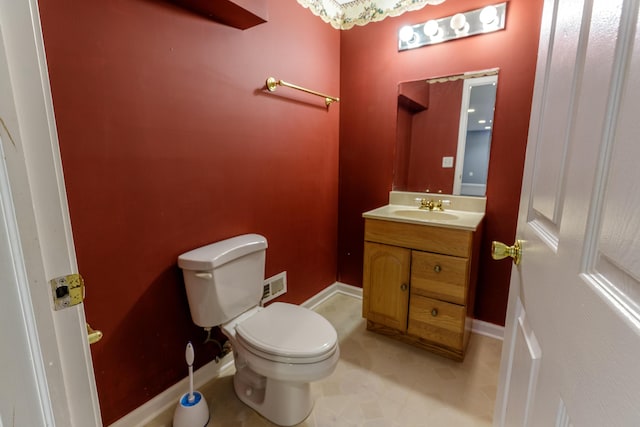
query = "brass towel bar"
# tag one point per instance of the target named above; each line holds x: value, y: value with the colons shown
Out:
x: 272, y: 83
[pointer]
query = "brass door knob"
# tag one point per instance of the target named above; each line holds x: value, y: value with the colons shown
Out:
x: 93, y: 335
x: 499, y: 251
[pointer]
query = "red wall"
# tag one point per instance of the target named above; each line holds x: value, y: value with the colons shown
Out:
x: 169, y: 141
x: 371, y: 68
x: 434, y: 135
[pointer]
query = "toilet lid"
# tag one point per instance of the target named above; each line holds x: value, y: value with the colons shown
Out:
x: 288, y: 330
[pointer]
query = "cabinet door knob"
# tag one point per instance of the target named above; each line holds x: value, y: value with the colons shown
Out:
x: 434, y: 312
x: 403, y: 287
x: 437, y: 268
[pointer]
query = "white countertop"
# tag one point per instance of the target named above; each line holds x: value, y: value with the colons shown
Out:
x: 460, y: 212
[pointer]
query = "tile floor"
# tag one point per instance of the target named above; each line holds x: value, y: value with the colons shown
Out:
x: 379, y: 382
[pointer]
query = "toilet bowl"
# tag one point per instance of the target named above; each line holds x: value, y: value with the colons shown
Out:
x: 278, y: 350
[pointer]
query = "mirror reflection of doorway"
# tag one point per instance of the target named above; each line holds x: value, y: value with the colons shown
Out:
x: 474, y: 138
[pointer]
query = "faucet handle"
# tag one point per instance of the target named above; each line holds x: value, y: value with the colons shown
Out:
x: 426, y: 204
x: 440, y: 204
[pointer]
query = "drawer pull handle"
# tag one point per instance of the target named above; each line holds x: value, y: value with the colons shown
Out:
x: 437, y: 268
x: 403, y: 287
x: 434, y: 312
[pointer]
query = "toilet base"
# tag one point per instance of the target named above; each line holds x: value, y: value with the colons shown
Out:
x: 281, y: 402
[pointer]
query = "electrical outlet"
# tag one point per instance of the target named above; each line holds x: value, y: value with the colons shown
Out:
x: 447, y: 162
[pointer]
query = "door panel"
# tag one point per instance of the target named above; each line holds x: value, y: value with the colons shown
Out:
x: 617, y: 263
x: 577, y: 282
x: 525, y: 363
x: 553, y: 137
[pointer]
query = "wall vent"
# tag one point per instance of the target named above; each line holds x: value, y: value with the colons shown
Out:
x: 274, y: 287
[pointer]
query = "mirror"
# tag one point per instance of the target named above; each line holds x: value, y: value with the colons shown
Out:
x: 443, y: 135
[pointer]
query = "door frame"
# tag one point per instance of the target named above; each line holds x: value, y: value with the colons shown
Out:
x: 43, y: 226
x: 463, y: 126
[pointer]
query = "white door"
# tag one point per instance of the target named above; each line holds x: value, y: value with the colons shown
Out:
x: 572, y: 336
x: 47, y: 374
x: 23, y: 395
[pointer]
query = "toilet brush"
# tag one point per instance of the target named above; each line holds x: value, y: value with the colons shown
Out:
x: 192, y: 409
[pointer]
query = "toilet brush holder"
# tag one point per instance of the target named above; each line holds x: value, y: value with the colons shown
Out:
x: 191, y: 414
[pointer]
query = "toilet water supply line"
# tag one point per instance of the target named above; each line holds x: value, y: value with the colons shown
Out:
x: 224, y: 349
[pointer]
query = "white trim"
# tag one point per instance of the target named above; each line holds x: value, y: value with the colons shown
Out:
x: 150, y: 410
x: 163, y: 401
x: 462, y: 136
x: 464, y: 124
x: 328, y: 292
x: 487, y: 329
x: 41, y: 400
x: 168, y: 398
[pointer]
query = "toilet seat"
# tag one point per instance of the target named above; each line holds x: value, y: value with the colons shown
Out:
x: 288, y: 333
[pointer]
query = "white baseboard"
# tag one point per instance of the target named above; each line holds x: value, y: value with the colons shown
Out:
x: 150, y: 410
x: 326, y: 293
x: 481, y: 327
x: 168, y: 398
x: 478, y: 326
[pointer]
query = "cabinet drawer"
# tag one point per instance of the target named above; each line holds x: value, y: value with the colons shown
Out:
x: 437, y: 321
x: 439, y: 276
x: 442, y: 240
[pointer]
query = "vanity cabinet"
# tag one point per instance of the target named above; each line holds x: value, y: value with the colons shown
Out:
x: 419, y: 283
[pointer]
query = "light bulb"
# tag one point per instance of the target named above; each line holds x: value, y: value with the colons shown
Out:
x: 489, y: 15
x: 431, y: 28
x: 406, y: 33
x: 458, y: 22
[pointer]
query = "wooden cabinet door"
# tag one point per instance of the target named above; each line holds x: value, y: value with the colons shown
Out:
x: 386, y: 285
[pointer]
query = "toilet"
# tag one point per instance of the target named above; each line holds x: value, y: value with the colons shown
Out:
x: 278, y: 350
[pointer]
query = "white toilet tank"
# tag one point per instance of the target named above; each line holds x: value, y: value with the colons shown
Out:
x: 224, y: 279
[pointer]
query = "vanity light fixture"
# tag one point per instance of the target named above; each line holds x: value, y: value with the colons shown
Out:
x: 478, y: 21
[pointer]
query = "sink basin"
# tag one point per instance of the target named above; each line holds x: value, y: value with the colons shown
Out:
x: 425, y: 215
